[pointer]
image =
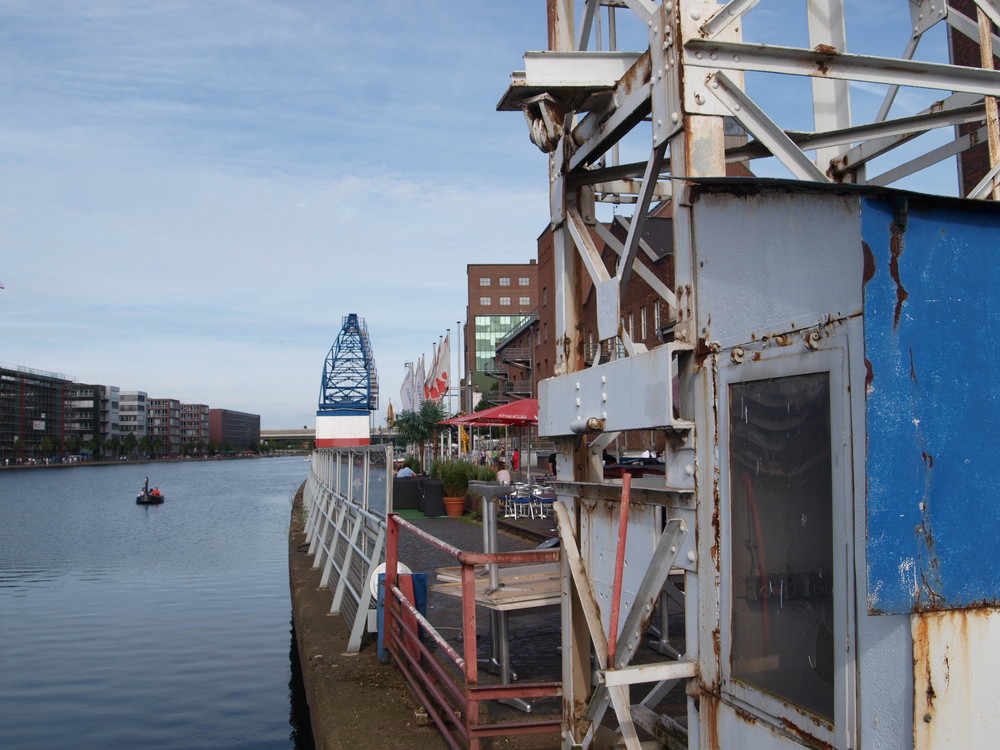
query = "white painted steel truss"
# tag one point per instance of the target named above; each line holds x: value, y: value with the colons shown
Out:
x: 585, y: 101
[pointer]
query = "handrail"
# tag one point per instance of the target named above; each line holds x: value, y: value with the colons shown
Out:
x: 459, y: 724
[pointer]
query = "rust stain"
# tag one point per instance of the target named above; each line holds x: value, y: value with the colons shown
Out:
x: 869, y: 375
x: 823, y: 65
x: 928, y: 459
x: 896, y: 247
x: 923, y: 683
x: 869, y: 264
x: 709, y: 704
x: 805, y: 738
x: 913, y: 368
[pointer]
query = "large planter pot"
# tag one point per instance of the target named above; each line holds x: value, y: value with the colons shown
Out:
x: 454, y: 506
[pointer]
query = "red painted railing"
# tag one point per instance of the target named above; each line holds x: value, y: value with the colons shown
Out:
x: 452, y: 699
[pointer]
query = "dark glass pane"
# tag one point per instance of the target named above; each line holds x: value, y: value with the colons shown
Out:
x: 782, y: 539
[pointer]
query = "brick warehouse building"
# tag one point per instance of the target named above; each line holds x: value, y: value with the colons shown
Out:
x: 501, y: 298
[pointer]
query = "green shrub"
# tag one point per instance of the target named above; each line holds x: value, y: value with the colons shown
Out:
x: 455, y: 475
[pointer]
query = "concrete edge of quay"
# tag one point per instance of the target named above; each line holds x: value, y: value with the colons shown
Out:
x: 353, y: 700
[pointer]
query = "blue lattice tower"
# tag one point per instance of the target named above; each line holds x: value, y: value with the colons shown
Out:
x: 349, y: 388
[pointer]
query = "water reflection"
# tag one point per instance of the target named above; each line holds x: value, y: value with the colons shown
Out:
x: 157, y: 627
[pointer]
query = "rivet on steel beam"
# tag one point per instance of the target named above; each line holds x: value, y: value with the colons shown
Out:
x: 714, y: 56
x: 736, y: 58
x: 674, y: 117
x: 696, y: 14
x: 737, y: 355
x: 699, y: 99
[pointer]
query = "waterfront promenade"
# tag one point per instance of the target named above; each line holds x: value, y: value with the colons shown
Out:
x: 354, y: 700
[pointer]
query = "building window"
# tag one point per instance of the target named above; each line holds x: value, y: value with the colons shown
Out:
x: 631, y: 328
x: 485, y: 281
x: 642, y: 322
x: 656, y: 315
x: 505, y: 300
x: 485, y: 301
x: 523, y: 281
x: 524, y: 301
x: 504, y: 281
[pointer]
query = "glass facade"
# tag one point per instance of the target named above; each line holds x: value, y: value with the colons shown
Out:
x: 489, y: 330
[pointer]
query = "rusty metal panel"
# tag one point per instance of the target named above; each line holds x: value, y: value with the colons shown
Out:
x: 599, y: 530
x: 931, y: 312
x: 775, y: 261
x: 955, y: 701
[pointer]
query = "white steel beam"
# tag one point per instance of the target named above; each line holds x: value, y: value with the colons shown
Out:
x: 831, y: 98
x: 664, y: 670
x: 649, y: 180
x: 764, y: 58
x: 727, y: 14
x: 641, y: 269
x: 576, y: 69
x: 763, y: 128
x: 929, y: 158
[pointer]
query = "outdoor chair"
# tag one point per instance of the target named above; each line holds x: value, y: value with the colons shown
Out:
x: 521, y: 502
x: 544, y: 497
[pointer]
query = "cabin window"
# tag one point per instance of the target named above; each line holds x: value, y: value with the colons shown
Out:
x: 781, y: 534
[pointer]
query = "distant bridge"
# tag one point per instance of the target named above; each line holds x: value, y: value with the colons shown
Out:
x: 380, y: 434
x: 308, y: 433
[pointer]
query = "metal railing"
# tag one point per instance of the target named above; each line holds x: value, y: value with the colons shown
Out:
x: 347, y: 496
x: 446, y: 682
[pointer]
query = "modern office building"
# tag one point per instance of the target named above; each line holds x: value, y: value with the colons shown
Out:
x: 132, y: 413
x: 240, y: 429
x: 194, y: 424
x: 163, y: 422
x: 81, y: 412
x: 31, y: 412
x: 110, y: 413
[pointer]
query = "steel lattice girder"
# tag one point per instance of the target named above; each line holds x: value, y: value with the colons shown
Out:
x: 349, y: 378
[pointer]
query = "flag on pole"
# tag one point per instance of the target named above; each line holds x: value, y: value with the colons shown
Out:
x: 438, y: 381
x: 406, y: 395
x: 418, y: 385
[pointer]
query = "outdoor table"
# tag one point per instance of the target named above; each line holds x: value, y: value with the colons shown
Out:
x: 506, y: 588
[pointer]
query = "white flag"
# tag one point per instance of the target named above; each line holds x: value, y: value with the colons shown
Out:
x: 406, y: 391
x: 418, y: 385
x: 438, y: 386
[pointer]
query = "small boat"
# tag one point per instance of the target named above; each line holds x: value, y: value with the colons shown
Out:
x: 148, y: 496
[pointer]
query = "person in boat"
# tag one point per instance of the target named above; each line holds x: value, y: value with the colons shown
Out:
x: 155, y: 492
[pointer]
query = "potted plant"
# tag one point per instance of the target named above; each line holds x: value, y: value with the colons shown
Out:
x: 455, y: 477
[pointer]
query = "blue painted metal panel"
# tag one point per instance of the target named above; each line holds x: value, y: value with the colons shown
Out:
x: 932, y: 313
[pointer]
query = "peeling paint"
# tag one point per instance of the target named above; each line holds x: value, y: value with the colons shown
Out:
x: 896, y: 247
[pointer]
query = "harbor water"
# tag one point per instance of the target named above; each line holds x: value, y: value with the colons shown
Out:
x: 164, y: 626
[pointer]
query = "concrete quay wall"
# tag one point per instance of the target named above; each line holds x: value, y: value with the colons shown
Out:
x: 353, y: 700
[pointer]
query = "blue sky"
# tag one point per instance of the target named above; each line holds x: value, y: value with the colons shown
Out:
x: 195, y: 193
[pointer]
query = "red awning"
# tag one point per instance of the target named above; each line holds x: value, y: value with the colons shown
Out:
x: 516, y: 413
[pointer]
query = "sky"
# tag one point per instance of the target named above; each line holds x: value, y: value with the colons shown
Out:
x: 196, y: 192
